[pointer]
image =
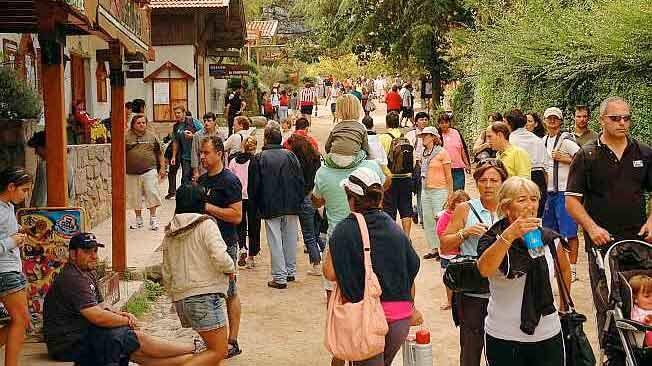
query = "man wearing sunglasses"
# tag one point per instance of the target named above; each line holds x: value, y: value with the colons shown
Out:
x: 605, y: 193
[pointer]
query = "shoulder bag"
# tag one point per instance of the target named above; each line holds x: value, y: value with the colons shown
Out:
x: 576, y: 344
x: 356, y: 331
x: 462, y: 273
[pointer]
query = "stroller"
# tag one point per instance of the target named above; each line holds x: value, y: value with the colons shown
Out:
x: 622, y: 261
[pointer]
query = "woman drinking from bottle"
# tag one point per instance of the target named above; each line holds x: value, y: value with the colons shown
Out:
x: 522, y: 325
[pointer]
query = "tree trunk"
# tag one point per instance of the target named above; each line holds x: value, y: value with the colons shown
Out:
x: 436, y: 88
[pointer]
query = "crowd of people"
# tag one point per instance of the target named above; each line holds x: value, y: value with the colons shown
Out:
x: 531, y: 176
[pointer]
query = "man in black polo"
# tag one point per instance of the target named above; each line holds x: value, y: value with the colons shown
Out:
x: 605, y: 194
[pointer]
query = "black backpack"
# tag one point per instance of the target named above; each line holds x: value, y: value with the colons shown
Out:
x: 400, y: 158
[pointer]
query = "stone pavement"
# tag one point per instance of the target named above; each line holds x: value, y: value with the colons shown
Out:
x: 286, y: 327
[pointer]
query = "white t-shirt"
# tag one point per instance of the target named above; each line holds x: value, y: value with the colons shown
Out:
x: 532, y: 144
x: 565, y: 145
x: 416, y: 142
x: 406, y: 97
x: 377, y: 153
x: 503, y: 319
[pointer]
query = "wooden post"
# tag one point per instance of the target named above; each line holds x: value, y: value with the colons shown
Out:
x: 55, y: 121
x: 118, y: 165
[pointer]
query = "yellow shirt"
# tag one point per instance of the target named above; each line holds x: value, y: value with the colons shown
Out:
x: 386, y: 142
x: 517, y: 161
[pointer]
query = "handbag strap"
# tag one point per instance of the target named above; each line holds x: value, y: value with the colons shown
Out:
x: 475, y: 212
x: 565, y: 295
x: 366, y: 245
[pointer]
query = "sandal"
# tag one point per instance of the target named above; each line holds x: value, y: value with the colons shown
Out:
x: 234, y: 349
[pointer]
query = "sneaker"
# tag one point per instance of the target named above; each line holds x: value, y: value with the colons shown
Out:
x: 315, y: 270
x: 276, y: 285
x: 138, y: 224
x: 153, y: 223
x: 251, y: 262
x: 431, y: 255
x: 200, y: 346
x: 234, y: 349
x: 291, y: 278
x: 242, y: 261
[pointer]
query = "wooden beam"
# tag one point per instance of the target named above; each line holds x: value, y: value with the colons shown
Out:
x: 54, y: 107
x: 118, y: 154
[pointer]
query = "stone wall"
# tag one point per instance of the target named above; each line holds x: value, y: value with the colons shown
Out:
x: 92, y: 166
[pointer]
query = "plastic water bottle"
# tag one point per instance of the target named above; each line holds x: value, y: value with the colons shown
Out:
x: 534, y: 243
x: 417, y: 350
x: 423, y: 348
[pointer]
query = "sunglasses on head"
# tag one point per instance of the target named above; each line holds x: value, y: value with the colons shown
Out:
x: 489, y: 161
x: 618, y: 117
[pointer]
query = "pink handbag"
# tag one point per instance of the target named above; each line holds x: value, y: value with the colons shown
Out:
x: 356, y: 331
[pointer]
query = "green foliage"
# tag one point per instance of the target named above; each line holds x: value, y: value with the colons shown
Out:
x: 17, y: 99
x: 254, y: 8
x: 535, y: 54
x: 142, y: 302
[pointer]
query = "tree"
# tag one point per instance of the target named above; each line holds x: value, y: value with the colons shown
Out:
x: 398, y: 29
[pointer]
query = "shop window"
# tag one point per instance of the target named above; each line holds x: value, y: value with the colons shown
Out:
x: 100, y: 76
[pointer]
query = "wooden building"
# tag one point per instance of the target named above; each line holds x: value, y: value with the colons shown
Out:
x: 117, y: 27
x: 188, y: 35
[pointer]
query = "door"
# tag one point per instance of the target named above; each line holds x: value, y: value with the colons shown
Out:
x: 78, y: 79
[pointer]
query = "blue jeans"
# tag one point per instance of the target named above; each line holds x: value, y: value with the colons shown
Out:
x: 459, y: 178
x: 282, y: 240
x: 310, y: 231
x: 186, y: 171
x: 432, y: 202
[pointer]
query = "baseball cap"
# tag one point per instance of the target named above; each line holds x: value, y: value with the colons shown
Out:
x: 429, y: 130
x: 361, y: 179
x: 553, y: 111
x: 84, y: 241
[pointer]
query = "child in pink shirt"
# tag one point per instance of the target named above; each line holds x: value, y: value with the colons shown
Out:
x: 444, y: 219
x: 642, y: 310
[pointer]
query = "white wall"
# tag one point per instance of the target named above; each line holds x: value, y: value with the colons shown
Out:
x: 181, y: 56
x: 87, y: 46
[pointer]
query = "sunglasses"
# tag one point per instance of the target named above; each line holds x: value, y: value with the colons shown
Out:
x: 490, y: 161
x: 618, y: 117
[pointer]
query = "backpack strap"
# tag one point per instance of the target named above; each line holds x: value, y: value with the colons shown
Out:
x: 564, y: 294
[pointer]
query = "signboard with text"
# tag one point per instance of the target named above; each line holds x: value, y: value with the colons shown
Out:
x: 222, y: 71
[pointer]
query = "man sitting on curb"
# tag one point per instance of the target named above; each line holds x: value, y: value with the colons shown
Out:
x: 78, y: 327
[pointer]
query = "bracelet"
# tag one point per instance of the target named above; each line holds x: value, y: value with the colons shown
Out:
x: 500, y: 237
x: 460, y: 233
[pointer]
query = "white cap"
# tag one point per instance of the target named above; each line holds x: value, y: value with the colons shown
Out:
x: 553, y: 111
x: 361, y: 179
x: 429, y: 130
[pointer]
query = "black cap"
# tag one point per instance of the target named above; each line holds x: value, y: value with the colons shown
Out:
x: 84, y: 241
x: 37, y: 140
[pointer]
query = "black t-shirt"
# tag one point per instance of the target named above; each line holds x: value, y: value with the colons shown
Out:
x: 72, y: 291
x: 223, y: 190
x: 393, y: 259
x: 613, y: 190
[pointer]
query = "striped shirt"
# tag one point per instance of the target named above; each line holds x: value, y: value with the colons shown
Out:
x: 308, y: 96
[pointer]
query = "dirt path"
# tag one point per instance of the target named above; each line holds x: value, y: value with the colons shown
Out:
x: 285, y: 327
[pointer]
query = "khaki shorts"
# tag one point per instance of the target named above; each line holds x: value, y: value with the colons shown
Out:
x: 143, y: 186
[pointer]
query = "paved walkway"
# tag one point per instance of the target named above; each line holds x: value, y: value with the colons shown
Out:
x: 286, y: 327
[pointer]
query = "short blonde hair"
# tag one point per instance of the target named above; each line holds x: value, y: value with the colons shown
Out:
x: 511, y: 189
x: 348, y: 108
x: 640, y: 283
x: 250, y: 144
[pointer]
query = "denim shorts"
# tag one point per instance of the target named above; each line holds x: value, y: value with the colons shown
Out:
x: 202, y: 313
x: 233, y: 252
x: 11, y: 282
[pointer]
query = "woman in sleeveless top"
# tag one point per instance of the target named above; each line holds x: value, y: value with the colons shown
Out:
x: 469, y: 222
